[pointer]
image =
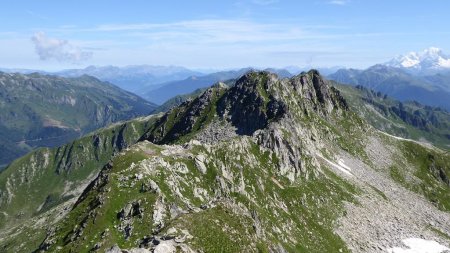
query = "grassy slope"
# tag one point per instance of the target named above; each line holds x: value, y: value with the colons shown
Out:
x: 424, y: 171
x: 44, y: 175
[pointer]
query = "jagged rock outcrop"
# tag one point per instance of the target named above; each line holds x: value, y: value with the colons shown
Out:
x: 317, y: 94
x: 249, y: 105
x: 257, y: 99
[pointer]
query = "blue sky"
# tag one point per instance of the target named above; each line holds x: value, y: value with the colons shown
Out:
x: 54, y: 35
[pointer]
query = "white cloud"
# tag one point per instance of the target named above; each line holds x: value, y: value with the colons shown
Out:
x: 207, y: 31
x: 339, y: 2
x: 57, y: 49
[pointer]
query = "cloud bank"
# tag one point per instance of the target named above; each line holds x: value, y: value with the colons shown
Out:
x: 57, y: 49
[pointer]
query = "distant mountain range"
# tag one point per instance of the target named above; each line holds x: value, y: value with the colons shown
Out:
x: 143, y: 79
x: 429, y: 61
x: 42, y: 110
x: 133, y: 78
x: 422, y: 77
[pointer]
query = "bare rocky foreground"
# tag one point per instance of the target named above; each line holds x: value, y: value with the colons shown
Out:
x: 381, y: 221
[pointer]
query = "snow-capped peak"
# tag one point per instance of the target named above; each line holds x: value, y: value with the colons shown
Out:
x: 429, y: 59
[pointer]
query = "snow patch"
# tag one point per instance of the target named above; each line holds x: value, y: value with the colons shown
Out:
x: 418, y: 245
x: 410, y: 60
x: 340, y: 166
x: 444, y: 62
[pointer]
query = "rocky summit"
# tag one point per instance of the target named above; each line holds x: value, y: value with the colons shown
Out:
x: 264, y: 164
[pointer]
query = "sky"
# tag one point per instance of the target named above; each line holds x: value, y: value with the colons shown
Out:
x: 54, y: 35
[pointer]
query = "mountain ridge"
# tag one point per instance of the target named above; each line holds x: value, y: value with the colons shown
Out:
x: 405, y: 119
x: 133, y: 78
x: 410, y: 120
x: 430, y: 90
x: 47, y: 110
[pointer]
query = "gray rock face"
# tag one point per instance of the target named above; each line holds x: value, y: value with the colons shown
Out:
x: 116, y: 249
x: 289, y: 153
x: 130, y: 210
x: 248, y: 105
x: 150, y: 186
x: 165, y: 247
x: 200, y: 163
x: 218, y: 130
x: 318, y: 95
